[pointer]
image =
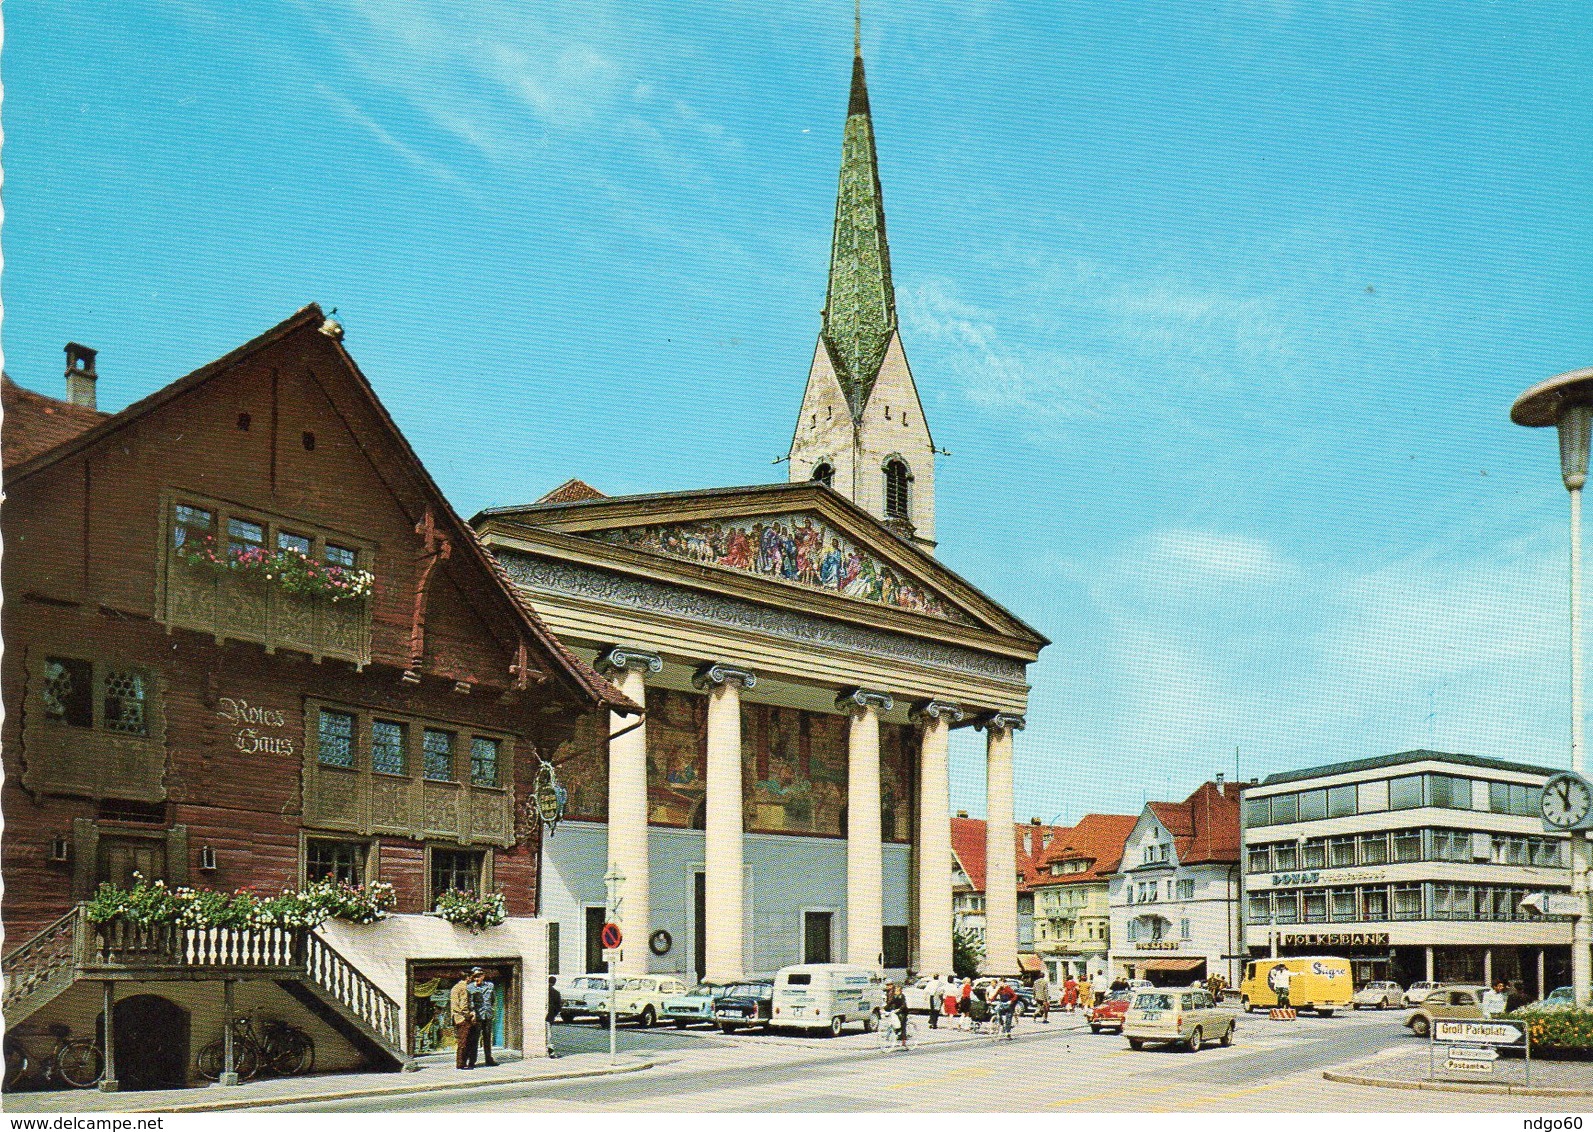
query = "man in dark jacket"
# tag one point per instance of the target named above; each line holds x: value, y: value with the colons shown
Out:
x: 555, y: 1004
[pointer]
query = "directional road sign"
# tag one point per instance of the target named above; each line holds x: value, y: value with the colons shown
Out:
x: 1492, y: 1033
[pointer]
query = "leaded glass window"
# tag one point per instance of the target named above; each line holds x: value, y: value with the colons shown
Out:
x: 483, y: 761
x: 244, y: 535
x: 193, y: 524
x: 339, y: 555
x: 438, y: 747
x: 124, y: 702
x: 335, y: 735
x: 388, y: 755
x: 339, y: 861
x: 455, y: 870
x: 68, y: 691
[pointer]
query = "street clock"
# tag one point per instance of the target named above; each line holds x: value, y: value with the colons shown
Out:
x: 1567, y: 802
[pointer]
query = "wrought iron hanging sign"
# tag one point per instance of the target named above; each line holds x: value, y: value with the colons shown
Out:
x: 548, y: 795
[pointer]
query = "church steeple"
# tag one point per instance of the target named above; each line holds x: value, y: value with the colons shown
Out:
x: 862, y: 429
x: 860, y: 307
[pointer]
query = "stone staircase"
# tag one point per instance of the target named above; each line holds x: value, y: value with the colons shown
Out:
x: 296, y: 959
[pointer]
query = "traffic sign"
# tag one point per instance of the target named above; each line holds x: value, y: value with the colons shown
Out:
x: 1474, y: 1053
x: 613, y: 955
x: 1499, y: 1033
x: 612, y: 936
x: 1466, y: 1065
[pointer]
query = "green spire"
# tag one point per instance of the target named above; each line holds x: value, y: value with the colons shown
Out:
x: 860, y: 309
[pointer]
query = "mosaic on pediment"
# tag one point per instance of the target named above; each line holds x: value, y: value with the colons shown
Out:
x: 797, y: 549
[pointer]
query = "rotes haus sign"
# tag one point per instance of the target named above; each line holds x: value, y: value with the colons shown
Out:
x: 254, y: 727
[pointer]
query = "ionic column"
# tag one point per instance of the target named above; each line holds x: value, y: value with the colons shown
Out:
x: 724, y: 881
x: 934, y: 836
x: 865, y: 876
x: 1001, y: 854
x: 627, y: 800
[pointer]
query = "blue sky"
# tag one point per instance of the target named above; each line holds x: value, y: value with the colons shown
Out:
x: 1219, y: 306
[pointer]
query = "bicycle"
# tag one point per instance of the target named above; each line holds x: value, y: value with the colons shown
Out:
x: 890, y: 1034
x: 1002, y: 1021
x: 78, y: 1062
x: 281, y: 1048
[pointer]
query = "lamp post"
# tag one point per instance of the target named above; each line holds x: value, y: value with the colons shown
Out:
x: 1566, y: 402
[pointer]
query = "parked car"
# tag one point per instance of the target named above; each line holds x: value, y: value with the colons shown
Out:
x: 1560, y: 998
x: 1177, y: 1017
x: 696, y: 1005
x: 1378, y: 996
x: 585, y: 994
x: 1443, y: 1003
x: 642, y: 997
x: 917, y: 995
x: 745, y: 1004
x: 1107, y: 1014
x: 1417, y: 993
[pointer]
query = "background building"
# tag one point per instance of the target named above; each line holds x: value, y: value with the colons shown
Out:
x: 1072, y: 913
x: 1411, y: 865
x: 1175, y: 896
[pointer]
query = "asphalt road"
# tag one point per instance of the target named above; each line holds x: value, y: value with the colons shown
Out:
x: 1274, y: 1066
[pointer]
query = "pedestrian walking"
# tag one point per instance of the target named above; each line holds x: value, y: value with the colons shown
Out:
x: 1086, y: 995
x: 1070, y: 994
x: 464, y: 1020
x: 896, y: 1006
x: 1494, y: 1001
x: 965, y: 1001
x: 948, y: 1004
x: 1042, y: 999
x: 555, y: 1004
x: 1119, y: 984
x: 484, y: 1006
x: 935, y: 992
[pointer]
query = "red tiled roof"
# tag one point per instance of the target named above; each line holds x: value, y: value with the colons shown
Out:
x: 1205, y: 826
x: 572, y: 491
x: 968, y: 846
x: 35, y: 423
x: 1098, y: 839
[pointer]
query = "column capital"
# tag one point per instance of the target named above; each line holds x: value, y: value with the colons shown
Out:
x: 715, y: 675
x: 930, y: 710
x: 617, y: 658
x: 861, y: 699
x: 1001, y: 721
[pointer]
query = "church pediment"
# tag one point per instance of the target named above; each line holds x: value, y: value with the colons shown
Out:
x: 800, y: 537
x: 795, y: 548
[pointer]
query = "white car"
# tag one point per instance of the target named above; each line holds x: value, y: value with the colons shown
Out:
x: 1377, y: 996
x: 583, y: 994
x: 1417, y: 993
x: 642, y: 997
x: 917, y: 995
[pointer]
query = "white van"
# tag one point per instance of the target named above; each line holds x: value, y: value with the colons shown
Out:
x: 826, y: 996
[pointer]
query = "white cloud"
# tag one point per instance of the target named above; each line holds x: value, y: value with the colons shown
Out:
x: 1228, y: 558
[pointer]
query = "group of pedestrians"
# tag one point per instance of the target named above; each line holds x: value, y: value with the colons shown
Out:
x: 966, y: 1006
x: 472, y: 1005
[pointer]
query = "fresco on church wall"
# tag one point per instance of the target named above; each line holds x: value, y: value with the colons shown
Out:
x: 793, y: 768
x: 792, y: 548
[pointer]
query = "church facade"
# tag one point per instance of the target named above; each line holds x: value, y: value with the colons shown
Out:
x: 801, y: 656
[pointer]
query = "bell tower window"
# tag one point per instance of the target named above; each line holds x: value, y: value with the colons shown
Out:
x: 896, y: 481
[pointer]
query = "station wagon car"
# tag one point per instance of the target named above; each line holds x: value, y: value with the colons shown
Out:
x: 1190, y: 1018
x: 696, y: 1005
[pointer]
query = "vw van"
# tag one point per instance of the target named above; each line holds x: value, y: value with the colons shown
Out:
x: 828, y: 996
x: 1316, y: 982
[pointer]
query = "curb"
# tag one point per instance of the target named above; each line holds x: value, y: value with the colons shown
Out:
x: 1455, y: 1087
x: 392, y: 1090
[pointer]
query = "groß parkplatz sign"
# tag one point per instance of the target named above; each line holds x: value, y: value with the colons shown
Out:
x: 1500, y: 1033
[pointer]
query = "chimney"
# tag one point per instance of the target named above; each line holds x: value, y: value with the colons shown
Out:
x: 1219, y: 778
x: 80, y: 375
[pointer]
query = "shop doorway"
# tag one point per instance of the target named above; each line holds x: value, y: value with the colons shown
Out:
x: 699, y: 917
x: 594, y: 939
x: 151, y: 1043
x: 816, y: 937
x: 431, y: 1020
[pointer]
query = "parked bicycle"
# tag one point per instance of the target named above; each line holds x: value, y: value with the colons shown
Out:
x: 277, y: 1047
x: 78, y: 1062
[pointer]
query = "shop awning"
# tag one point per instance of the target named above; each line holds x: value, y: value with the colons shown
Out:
x: 1031, y: 964
x: 1173, y: 964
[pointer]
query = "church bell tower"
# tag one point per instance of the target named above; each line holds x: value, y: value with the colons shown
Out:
x: 862, y: 429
